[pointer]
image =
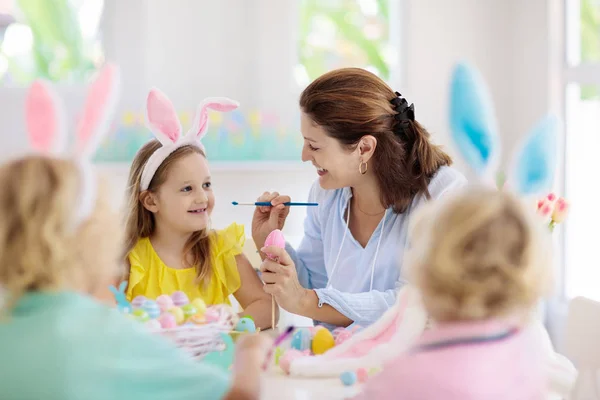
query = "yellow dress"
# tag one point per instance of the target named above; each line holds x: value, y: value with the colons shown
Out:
x: 150, y: 277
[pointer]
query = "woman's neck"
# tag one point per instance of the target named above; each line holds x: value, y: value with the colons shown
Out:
x: 367, y: 197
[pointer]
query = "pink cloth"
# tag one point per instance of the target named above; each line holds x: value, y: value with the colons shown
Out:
x: 511, y: 368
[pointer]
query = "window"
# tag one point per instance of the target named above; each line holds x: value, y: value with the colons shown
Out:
x: 55, y: 40
x: 347, y: 33
x: 582, y: 187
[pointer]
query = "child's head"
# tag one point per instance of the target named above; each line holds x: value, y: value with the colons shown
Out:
x: 43, y: 244
x: 477, y: 255
x: 179, y: 197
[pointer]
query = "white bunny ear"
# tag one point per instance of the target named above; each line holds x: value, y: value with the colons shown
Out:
x: 472, y: 121
x: 98, y: 111
x: 534, y: 164
x: 45, y: 119
x: 221, y: 104
x: 162, y: 118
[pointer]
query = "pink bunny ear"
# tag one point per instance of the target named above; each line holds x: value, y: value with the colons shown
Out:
x: 162, y: 118
x: 221, y: 104
x: 99, y: 108
x: 45, y: 119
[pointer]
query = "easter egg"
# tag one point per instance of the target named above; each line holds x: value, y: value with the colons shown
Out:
x: 348, y: 378
x: 285, y: 362
x: 200, y: 305
x: 140, y: 315
x: 223, y: 315
x: 362, y: 374
x: 151, y: 308
x: 188, y: 310
x: 301, y: 340
x: 178, y: 314
x: 322, y: 341
x: 276, y: 239
x: 153, y: 325
x: 164, y: 302
x: 179, y: 299
x: 167, y: 321
x: 245, y: 325
x: 138, y: 301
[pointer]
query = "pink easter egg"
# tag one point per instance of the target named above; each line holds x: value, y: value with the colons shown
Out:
x: 138, y: 301
x: 164, y: 302
x: 167, y: 321
x: 276, y: 239
x: 285, y: 362
x: 180, y: 299
x: 362, y: 374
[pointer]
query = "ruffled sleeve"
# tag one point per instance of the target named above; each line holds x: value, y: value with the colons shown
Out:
x: 226, y: 245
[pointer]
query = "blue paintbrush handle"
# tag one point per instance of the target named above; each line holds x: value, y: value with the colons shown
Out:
x: 268, y: 204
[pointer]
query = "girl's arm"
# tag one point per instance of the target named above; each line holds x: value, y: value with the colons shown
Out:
x: 251, y: 295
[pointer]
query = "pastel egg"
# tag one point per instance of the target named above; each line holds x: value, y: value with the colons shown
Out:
x: 322, y: 341
x: 188, y: 310
x: 245, y: 325
x: 167, y: 321
x: 362, y: 374
x: 285, y: 362
x: 178, y: 314
x: 164, y: 302
x: 348, y: 378
x: 200, y: 305
x: 140, y: 315
x: 179, y: 299
x: 276, y: 239
x: 151, y: 308
x: 197, y: 319
x: 301, y: 340
x: 138, y: 301
x: 153, y: 325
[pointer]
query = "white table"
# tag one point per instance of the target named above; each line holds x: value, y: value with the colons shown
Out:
x: 277, y: 386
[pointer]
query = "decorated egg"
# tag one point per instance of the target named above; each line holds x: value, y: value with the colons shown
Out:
x: 285, y: 362
x: 245, y: 324
x: 153, y: 325
x: 200, y: 306
x: 140, y: 315
x: 188, y: 310
x: 276, y: 239
x: 138, y: 301
x: 164, y: 302
x: 167, y: 321
x: 322, y: 341
x: 301, y: 340
x: 178, y: 314
x: 362, y: 375
x: 197, y: 319
x: 348, y: 378
x: 180, y: 299
x: 151, y: 308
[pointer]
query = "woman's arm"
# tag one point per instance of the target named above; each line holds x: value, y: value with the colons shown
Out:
x: 251, y: 295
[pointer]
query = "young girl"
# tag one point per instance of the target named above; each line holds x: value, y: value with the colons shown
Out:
x: 170, y: 245
x: 59, y: 244
x: 481, y: 264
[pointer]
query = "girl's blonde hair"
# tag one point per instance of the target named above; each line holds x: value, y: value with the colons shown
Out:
x: 477, y: 255
x: 141, y: 223
x: 42, y: 246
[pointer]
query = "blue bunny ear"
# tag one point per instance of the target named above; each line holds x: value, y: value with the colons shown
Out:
x: 113, y: 289
x: 122, y: 286
x: 472, y: 122
x: 534, y: 164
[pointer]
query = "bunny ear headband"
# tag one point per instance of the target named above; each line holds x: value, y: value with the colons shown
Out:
x: 46, y: 126
x: 162, y: 120
x: 473, y: 129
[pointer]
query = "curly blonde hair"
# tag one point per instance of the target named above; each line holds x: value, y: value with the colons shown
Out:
x: 42, y: 248
x: 479, y: 254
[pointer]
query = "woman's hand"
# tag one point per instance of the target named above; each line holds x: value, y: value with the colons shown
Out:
x: 250, y: 354
x: 281, y: 280
x: 267, y: 219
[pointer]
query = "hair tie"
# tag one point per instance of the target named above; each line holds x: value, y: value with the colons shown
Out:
x: 405, y: 113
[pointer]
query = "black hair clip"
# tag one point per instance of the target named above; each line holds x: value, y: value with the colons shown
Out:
x: 405, y: 112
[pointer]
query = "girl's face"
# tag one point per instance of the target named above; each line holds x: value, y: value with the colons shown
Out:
x: 337, y: 167
x: 185, y: 200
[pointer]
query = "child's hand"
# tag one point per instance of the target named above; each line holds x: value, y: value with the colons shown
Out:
x: 250, y: 354
x: 267, y: 219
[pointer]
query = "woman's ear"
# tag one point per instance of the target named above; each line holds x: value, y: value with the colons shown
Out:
x: 366, y: 147
x: 148, y: 200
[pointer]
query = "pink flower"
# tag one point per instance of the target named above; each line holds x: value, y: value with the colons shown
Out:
x: 544, y: 208
x: 551, y: 197
x: 561, y: 209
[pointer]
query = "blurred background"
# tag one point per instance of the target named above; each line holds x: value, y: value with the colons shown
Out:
x: 536, y: 56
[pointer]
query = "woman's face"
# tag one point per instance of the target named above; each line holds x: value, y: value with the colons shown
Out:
x: 337, y: 166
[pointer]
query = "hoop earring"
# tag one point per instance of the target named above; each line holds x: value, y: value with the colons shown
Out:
x: 360, y: 167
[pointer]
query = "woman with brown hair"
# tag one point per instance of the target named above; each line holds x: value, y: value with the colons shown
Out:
x: 376, y: 166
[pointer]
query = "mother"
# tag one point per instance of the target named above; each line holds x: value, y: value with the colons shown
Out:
x: 376, y: 165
